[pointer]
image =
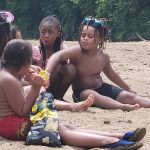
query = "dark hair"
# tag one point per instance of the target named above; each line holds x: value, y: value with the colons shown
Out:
x: 17, y: 54
x: 14, y: 30
x: 100, y: 25
x: 5, y: 36
x: 51, y: 21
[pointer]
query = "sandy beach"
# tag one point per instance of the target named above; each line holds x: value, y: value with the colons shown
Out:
x: 132, y: 61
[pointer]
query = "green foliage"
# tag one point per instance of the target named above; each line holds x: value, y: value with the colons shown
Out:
x: 127, y: 17
x: 75, y: 1
x: 88, y: 8
x: 70, y: 19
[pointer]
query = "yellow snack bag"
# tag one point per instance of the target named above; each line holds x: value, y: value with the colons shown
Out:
x: 44, y: 75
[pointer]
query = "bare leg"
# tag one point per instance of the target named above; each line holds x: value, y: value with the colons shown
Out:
x: 108, y: 103
x: 75, y: 107
x: 83, y: 139
x: 109, y: 134
x: 131, y: 98
x: 61, y: 81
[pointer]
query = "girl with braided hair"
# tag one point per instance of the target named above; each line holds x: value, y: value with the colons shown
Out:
x: 51, y: 41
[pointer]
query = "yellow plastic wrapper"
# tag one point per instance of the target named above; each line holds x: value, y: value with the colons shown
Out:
x: 44, y: 75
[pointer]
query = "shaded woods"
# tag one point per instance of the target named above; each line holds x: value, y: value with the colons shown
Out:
x: 128, y: 18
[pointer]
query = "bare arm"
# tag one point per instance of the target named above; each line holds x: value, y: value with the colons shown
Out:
x: 19, y: 102
x: 61, y: 56
x: 113, y: 76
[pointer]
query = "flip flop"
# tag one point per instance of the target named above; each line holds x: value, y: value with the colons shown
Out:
x: 123, y: 145
x: 136, y: 135
x: 134, y: 146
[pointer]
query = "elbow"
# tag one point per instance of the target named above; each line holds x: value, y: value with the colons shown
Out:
x: 23, y: 115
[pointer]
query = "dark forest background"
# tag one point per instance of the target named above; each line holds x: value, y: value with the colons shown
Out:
x: 128, y: 18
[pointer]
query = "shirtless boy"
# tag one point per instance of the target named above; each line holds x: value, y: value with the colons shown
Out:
x: 90, y: 61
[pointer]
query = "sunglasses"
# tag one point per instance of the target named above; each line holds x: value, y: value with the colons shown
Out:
x: 97, y: 23
x: 6, y: 16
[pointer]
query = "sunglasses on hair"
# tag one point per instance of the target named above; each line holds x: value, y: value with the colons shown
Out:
x: 94, y: 22
x: 6, y: 16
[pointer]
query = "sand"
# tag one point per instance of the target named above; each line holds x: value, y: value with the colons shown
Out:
x: 132, y: 61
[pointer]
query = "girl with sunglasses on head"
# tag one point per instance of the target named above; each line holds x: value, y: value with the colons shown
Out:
x: 90, y: 61
x: 5, y: 29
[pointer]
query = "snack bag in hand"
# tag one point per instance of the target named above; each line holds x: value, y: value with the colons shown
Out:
x: 45, y: 75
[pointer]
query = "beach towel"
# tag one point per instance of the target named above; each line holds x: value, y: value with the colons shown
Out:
x: 44, y: 130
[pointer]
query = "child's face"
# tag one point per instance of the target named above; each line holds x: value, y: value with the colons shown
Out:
x: 48, y: 35
x: 89, y: 38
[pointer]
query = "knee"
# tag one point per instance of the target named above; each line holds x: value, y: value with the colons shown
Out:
x: 70, y: 71
x: 84, y: 94
x: 128, y: 95
x: 66, y: 126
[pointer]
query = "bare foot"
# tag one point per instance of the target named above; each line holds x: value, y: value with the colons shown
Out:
x: 128, y: 107
x: 84, y: 105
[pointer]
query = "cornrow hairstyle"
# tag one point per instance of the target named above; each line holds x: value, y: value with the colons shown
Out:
x: 100, y: 24
x: 51, y: 21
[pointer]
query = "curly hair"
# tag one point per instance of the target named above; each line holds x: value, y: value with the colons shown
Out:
x: 17, y: 54
x: 100, y: 25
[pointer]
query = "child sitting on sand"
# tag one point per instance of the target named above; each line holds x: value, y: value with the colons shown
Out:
x: 5, y: 36
x: 51, y: 41
x: 90, y: 61
x: 15, y: 105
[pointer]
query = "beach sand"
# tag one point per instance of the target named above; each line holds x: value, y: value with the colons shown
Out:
x: 132, y: 61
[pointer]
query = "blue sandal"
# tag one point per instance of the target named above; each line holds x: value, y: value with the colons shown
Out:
x: 135, y: 136
x: 123, y: 145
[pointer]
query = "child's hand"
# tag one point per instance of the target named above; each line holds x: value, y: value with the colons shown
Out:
x: 45, y: 76
x: 46, y: 84
x: 30, y: 74
x: 36, y: 68
x: 37, y: 81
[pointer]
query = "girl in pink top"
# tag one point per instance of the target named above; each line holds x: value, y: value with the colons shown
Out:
x: 51, y: 41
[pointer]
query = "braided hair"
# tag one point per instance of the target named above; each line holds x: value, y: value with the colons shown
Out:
x: 52, y: 21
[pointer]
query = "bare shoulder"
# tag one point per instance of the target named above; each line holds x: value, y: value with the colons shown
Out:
x: 7, y: 80
x: 72, y: 50
x: 63, y: 45
x: 106, y: 56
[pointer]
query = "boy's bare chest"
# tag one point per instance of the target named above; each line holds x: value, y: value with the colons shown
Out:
x: 91, y: 65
